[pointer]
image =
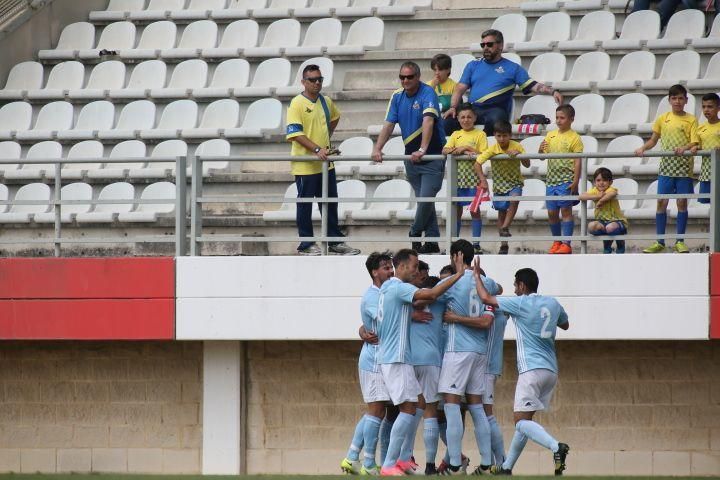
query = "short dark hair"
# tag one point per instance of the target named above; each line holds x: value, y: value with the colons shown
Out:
x: 430, y: 282
x: 464, y: 247
x: 375, y: 259
x: 493, y: 33
x: 502, y: 126
x: 441, y: 62
x: 567, y: 109
x: 604, y: 173
x: 529, y: 278
x: 412, y: 65
x: 422, y: 266
x: 310, y: 68
x: 466, y: 106
x: 676, y: 90
x: 447, y: 269
x: 711, y: 97
x: 403, y: 256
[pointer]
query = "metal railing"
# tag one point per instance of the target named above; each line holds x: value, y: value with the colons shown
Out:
x: 198, y: 199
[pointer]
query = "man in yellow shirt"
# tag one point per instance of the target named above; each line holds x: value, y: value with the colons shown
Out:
x: 311, y: 120
x: 709, y: 134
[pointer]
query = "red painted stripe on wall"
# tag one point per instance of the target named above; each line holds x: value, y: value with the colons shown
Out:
x: 714, y: 296
x: 29, y: 278
x: 92, y: 319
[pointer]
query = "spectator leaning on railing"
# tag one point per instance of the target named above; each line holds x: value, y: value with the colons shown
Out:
x: 492, y: 81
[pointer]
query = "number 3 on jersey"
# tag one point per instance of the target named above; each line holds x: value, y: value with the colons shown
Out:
x: 546, y: 331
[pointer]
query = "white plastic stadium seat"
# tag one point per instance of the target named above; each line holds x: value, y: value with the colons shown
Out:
x: 117, y: 10
x: 544, y: 104
x: 53, y: 117
x: 532, y: 187
x: 513, y: 27
x: 574, y: 5
x: 186, y: 77
x: 678, y: 66
x: 363, y: 34
x: 384, y: 210
x: 540, y: 6
x: 23, y: 76
x: 459, y: 62
x: 626, y: 186
x: 287, y: 210
x: 4, y: 195
x: 403, y: 7
x: 270, y: 74
x: 626, y: 113
x: 86, y: 149
x: 682, y: 27
x: 321, y: 34
x: 394, y: 146
x: 63, y: 77
x: 638, y: 27
x: 239, y: 9
x: 78, y: 191
x: 238, y: 36
x: 588, y: 69
x: 361, y: 8
x: 198, y: 9
x: 589, y: 110
x: 117, y: 36
x: 176, y: 116
x: 549, y: 29
x: 711, y: 79
x: 196, y: 37
x: 105, y: 76
x: 633, y: 68
x: 145, y: 76
x: 346, y: 189
x: 279, y: 35
x: 148, y: 212
x: 712, y: 41
x: 353, y: 146
x: 24, y: 213
x: 531, y: 145
x: 156, y: 37
x: 548, y: 67
x: 326, y: 68
x: 124, y: 150
x: 9, y: 151
x: 593, y: 29
x: 157, y: 10
x: 74, y: 37
x: 624, y: 143
x: 216, y: 147
x: 228, y: 76
x: 41, y: 150
x: 108, y: 213
x: 647, y: 207
x: 168, y: 148
x: 14, y: 117
x: 320, y: 8
x: 135, y: 117
x: 663, y: 107
x: 218, y: 116
x: 93, y: 117
x: 280, y: 8
x: 262, y: 117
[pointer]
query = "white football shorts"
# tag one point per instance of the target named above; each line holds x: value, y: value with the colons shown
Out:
x: 534, y: 390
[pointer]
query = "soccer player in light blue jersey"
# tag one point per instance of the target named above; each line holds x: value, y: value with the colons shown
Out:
x: 536, y: 318
x: 380, y: 268
x: 464, y: 362
x: 394, y: 315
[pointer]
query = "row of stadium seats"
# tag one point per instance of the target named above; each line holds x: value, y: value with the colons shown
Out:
x: 93, y: 149
x: 200, y: 39
x: 596, y: 31
x: 262, y: 9
x: 405, y: 210
x: 230, y: 78
x: 137, y: 120
x: 571, y: 6
x: 84, y: 212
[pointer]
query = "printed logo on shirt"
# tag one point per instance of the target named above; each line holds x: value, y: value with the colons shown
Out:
x: 308, y: 110
x: 499, y: 69
x: 416, y: 106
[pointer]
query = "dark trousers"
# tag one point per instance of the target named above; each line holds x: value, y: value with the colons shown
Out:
x: 666, y: 8
x: 485, y: 116
x: 426, y: 179
x: 310, y: 186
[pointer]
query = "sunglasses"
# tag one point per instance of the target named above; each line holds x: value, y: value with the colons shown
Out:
x: 487, y: 44
x: 406, y: 77
x: 314, y: 79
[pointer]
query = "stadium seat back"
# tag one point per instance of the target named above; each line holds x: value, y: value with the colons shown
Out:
x: 200, y: 34
x: 513, y: 26
x: 66, y: 75
x: 107, y: 75
x: 15, y: 116
x: 241, y: 34
x: 32, y: 192
x: 282, y: 33
x: 117, y: 36
x: 137, y: 115
x: 148, y: 75
x: 273, y: 72
x: 25, y: 76
x: 189, y: 74
x: 548, y: 67
x: 551, y: 27
x: 159, y: 36
x: 76, y: 36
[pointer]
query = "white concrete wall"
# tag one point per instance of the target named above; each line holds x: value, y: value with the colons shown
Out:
x: 631, y: 297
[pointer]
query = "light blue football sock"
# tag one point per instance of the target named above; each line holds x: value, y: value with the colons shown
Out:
x: 516, y: 447
x: 660, y: 223
x: 384, y: 437
x: 482, y: 433
x: 496, y: 440
x: 398, y: 434
x: 476, y: 225
x: 431, y: 433
x: 567, y: 230
x: 371, y: 429
x: 443, y: 437
x: 555, y: 229
x: 535, y: 432
x: 357, y: 441
x: 681, y: 224
x: 409, y: 444
x: 454, y: 433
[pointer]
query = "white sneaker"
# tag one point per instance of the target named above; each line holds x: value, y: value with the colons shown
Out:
x: 343, y: 249
x: 311, y: 251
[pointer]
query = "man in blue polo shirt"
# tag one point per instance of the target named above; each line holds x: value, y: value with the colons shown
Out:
x: 492, y: 81
x: 415, y: 108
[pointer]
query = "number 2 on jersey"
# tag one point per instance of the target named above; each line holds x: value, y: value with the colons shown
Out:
x: 545, y: 331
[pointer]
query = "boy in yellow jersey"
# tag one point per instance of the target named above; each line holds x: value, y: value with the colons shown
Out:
x: 468, y: 141
x: 563, y: 175
x: 678, y: 131
x: 441, y: 82
x: 709, y: 133
x: 507, y: 178
x: 609, y: 219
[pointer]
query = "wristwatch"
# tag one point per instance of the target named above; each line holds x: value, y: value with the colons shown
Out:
x: 421, y: 150
x: 316, y: 149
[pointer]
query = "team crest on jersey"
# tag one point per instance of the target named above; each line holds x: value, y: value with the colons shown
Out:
x: 499, y: 69
x: 308, y: 110
x: 416, y: 106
